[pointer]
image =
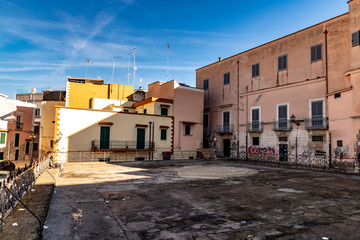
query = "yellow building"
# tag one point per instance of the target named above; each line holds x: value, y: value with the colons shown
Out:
x: 82, y: 92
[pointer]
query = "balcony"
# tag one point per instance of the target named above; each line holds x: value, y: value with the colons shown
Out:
x: 317, y: 123
x: 255, y: 127
x: 18, y: 126
x: 283, y: 125
x: 207, y: 130
x: 227, y: 128
x: 117, y: 145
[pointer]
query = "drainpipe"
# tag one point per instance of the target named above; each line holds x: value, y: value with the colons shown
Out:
x: 153, y: 144
x: 238, y: 108
x: 247, y: 123
x: 150, y: 139
x: 327, y: 90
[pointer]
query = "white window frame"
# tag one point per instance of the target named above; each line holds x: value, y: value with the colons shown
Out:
x: 222, y: 116
x: 315, y: 100
x: 277, y: 110
x: 253, y: 108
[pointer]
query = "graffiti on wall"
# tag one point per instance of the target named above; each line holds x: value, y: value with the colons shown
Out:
x: 342, y: 152
x: 263, y: 153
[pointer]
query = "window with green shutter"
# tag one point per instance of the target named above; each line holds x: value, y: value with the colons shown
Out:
x: 2, y: 138
x: 17, y: 139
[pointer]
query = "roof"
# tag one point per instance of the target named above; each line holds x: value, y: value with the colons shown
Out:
x: 153, y: 99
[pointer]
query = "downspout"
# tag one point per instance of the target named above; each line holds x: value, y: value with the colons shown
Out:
x: 150, y: 140
x: 247, y: 123
x: 238, y: 109
x: 153, y: 143
x: 327, y: 91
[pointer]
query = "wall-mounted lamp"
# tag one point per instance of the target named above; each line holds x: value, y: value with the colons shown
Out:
x: 293, y: 119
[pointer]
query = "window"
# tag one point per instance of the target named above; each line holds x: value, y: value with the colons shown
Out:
x: 18, y: 122
x: 256, y: 70
x: 283, y: 139
x: 1, y: 156
x: 187, y: 129
x: 37, y: 112
x: 226, y: 78
x: 256, y: 141
x: 27, y: 148
x: 17, y: 139
x: 206, y: 84
x: 356, y: 38
x: 35, y: 146
x: 337, y: 95
x: 163, y: 134
x: 164, y: 111
x: 316, y: 53
x: 17, y: 154
x: 317, y: 138
x: 282, y: 116
x: 226, y: 118
x: 317, y: 113
x: 282, y: 62
x: 51, y: 143
x: 339, y: 143
x: 2, y: 138
x: 255, y: 118
x: 145, y: 111
x: 36, y: 128
x: 126, y: 110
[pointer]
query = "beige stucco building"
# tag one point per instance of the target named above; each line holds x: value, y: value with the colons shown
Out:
x: 107, y: 122
x: 294, y: 99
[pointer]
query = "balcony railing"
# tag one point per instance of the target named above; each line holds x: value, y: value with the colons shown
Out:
x: 19, y: 125
x: 255, y: 127
x: 317, y: 123
x: 207, y: 130
x: 282, y: 125
x: 227, y: 128
x: 121, y: 145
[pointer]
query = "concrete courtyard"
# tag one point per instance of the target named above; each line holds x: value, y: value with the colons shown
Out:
x: 201, y: 200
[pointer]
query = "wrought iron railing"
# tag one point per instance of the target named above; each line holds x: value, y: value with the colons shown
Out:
x: 255, y: 127
x: 121, y: 145
x: 19, y: 125
x: 317, y: 123
x: 19, y: 186
x: 282, y: 125
x: 226, y: 128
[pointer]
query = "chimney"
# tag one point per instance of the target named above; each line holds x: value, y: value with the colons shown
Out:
x: 33, y: 90
x: 220, y: 59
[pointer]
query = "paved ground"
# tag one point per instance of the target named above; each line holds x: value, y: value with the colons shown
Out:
x: 201, y: 200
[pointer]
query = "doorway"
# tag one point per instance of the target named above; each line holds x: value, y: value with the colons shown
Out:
x: 104, y: 137
x: 140, y: 140
x: 226, y: 143
x: 283, y: 152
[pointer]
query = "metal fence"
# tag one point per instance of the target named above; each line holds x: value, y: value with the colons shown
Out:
x: 19, y: 185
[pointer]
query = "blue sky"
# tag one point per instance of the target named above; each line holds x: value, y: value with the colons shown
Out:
x: 42, y: 42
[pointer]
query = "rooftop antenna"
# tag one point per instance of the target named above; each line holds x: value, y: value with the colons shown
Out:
x: 167, y: 63
x: 87, y: 61
x: 134, y: 67
x: 128, y: 76
x: 112, y: 78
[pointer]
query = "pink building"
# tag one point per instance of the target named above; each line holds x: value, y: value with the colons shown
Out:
x: 19, y: 136
x: 294, y: 99
x: 187, y: 111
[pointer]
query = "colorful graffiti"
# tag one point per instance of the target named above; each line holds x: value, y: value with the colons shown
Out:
x: 342, y: 152
x: 263, y: 153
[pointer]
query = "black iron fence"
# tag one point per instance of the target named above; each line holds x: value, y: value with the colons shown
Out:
x: 19, y: 186
x: 226, y: 128
x: 121, y: 145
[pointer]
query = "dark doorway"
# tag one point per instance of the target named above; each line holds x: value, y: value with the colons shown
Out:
x: 104, y: 137
x: 283, y: 152
x: 226, y: 143
x: 17, y: 154
x: 358, y: 158
x: 140, y: 140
